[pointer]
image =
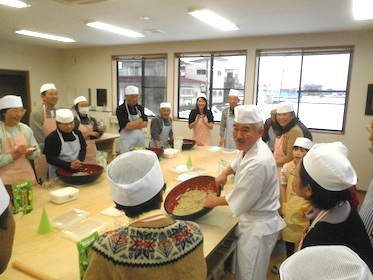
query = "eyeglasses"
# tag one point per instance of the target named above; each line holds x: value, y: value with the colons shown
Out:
x: 17, y: 111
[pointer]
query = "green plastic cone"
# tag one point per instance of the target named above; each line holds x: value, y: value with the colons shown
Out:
x: 189, y: 163
x: 45, y: 225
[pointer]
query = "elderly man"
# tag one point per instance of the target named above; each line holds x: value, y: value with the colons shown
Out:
x: 255, y: 197
x: 227, y: 119
x: 42, y: 123
x: 132, y: 120
x: 161, y: 128
x: 152, y: 245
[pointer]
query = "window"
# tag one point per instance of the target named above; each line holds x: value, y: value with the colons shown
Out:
x: 211, y: 74
x: 149, y: 75
x: 316, y: 81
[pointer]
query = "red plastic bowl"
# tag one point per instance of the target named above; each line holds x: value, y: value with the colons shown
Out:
x: 158, y: 152
x: 206, y: 183
x: 93, y: 171
x: 187, y: 144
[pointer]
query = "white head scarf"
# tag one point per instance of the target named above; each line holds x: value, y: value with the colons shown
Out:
x: 4, y: 198
x: 325, y: 262
x: 135, y: 177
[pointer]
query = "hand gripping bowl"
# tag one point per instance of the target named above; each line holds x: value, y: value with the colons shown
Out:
x: 187, y: 144
x: 203, y: 183
x: 86, y: 174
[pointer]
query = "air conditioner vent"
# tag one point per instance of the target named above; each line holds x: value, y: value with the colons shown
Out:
x: 79, y: 2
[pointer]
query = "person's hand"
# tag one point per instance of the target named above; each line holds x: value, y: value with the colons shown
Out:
x: 21, y: 150
x: 221, y: 180
x: 75, y: 164
x: 210, y: 201
x: 222, y: 142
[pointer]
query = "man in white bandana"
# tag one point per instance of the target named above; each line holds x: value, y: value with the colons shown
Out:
x: 255, y: 197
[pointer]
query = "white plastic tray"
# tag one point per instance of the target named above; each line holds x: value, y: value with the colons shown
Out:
x: 68, y: 218
x: 84, y: 228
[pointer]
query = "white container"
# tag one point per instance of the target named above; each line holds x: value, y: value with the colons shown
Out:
x: 64, y: 195
x: 170, y: 153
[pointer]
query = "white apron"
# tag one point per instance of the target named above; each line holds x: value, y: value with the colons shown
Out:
x: 90, y: 157
x: 257, y: 235
x: 40, y: 163
x: 131, y: 138
x: 229, y: 141
x: 69, y: 152
x: 163, y: 137
x: 20, y: 169
x: 201, y: 133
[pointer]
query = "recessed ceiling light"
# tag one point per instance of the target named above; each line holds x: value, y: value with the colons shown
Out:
x: 362, y: 9
x: 45, y: 36
x: 114, y: 29
x: 14, y: 3
x: 213, y: 19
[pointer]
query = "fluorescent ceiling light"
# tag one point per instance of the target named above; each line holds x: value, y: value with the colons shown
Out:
x: 114, y: 29
x: 362, y: 9
x: 14, y: 3
x: 213, y: 19
x: 45, y: 36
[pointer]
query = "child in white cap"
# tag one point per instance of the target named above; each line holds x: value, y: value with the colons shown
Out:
x: 17, y: 143
x: 161, y: 128
x: 293, y: 207
x: 87, y: 126
x: 152, y: 245
x: 7, y: 228
x: 65, y: 147
x: 333, y: 262
x: 323, y: 178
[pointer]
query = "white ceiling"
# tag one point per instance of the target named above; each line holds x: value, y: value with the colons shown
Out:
x: 253, y: 18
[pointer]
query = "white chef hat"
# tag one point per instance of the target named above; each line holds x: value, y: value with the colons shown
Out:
x: 234, y: 92
x: 201, y: 95
x: 329, y: 167
x: 46, y: 87
x: 64, y: 116
x: 135, y: 177
x: 247, y: 114
x: 4, y: 198
x: 165, y: 105
x: 10, y: 101
x: 131, y: 90
x: 284, y: 107
x: 340, y: 147
x: 79, y: 99
x: 325, y: 262
x: 303, y: 142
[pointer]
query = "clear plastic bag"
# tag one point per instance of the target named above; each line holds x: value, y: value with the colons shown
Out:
x: 101, y: 158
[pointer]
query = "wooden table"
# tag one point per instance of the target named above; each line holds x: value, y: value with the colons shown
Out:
x: 107, y: 143
x: 56, y: 255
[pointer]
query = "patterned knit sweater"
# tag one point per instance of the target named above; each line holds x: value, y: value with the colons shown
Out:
x: 160, y: 249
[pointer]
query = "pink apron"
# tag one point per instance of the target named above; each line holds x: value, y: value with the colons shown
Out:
x: 20, y: 169
x: 90, y: 157
x: 201, y: 133
x: 279, y: 153
x: 41, y: 164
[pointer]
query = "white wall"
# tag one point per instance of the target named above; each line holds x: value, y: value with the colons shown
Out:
x: 92, y: 68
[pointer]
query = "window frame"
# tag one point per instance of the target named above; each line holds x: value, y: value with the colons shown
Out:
x: 308, y: 52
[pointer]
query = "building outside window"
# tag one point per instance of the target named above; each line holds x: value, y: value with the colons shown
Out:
x: 212, y: 74
x: 315, y: 80
x: 148, y: 74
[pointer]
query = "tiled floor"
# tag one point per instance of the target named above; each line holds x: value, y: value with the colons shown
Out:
x: 278, y: 258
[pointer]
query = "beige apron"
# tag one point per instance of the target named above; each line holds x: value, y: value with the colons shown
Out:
x: 20, y: 169
x: 201, y: 133
x: 41, y: 164
x: 90, y: 156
